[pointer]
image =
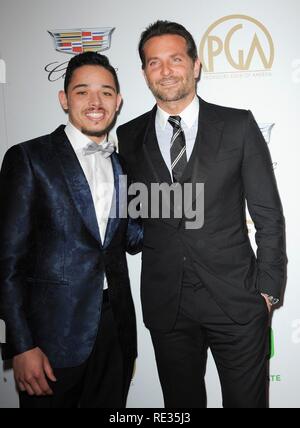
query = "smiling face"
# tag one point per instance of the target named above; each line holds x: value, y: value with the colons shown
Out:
x: 170, y: 72
x: 92, y: 101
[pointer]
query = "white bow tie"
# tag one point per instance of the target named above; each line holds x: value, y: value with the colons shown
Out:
x: 106, y: 149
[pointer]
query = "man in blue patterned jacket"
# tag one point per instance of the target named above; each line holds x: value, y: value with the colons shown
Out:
x: 64, y: 287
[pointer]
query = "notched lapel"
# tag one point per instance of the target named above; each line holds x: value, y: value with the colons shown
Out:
x: 119, y: 205
x: 206, y: 148
x: 159, y: 172
x: 207, y: 145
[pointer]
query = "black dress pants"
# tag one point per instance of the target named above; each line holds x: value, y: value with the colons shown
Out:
x: 240, y: 353
x: 103, y: 381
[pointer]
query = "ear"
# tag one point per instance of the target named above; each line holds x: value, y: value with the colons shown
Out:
x: 119, y: 102
x: 145, y: 77
x: 63, y: 100
x: 197, y: 68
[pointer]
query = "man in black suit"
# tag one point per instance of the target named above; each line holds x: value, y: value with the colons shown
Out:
x: 205, y: 287
x: 64, y: 287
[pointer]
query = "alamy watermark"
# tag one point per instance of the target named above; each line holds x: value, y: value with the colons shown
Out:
x: 2, y: 71
x: 160, y: 201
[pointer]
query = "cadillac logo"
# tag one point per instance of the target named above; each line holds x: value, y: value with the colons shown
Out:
x: 74, y: 42
x: 82, y: 40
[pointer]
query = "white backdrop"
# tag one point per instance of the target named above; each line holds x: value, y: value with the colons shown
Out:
x: 29, y: 108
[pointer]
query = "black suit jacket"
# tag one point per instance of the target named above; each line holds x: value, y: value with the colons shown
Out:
x: 52, y: 259
x: 232, y: 159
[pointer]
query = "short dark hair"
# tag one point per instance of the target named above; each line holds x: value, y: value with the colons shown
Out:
x: 161, y: 28
x: 89, y: 58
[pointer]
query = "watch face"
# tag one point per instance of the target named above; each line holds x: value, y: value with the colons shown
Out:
x: 273, y: 300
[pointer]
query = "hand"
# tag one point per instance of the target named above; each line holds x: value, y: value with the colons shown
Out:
x: 31, y: 369
x: 265, y: 296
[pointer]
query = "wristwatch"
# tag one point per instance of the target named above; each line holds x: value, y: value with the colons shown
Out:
x: 273, y: 300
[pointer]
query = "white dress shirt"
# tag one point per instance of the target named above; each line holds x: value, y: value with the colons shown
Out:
x: 100, y: 177
x: 164, y: 130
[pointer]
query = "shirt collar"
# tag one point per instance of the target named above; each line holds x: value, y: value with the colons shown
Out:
x: 188, y: 116
x: 76, y: 137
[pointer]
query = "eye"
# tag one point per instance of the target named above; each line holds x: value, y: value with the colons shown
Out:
x: 177, y: 60
x: 108, y: 94
x: 82, y: 93
x: 153, y: 63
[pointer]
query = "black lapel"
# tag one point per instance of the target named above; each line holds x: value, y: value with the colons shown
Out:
x: 119, y: 201
x: 206, y: 146
x: 152, y: 153
x: 156, y: 165
x: 76, y: 181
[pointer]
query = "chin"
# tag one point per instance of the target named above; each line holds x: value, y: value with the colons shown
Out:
x: 94, y: 132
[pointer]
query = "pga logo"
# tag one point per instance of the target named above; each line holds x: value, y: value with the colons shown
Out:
x: 237, y: 43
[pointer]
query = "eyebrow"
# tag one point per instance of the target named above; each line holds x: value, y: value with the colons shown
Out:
x: 82, y: 85
x: 152, y: 59
x: 171, y: 56
x: 109, y: 87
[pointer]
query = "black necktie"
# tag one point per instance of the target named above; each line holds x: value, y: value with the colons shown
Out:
x: 178, y: 149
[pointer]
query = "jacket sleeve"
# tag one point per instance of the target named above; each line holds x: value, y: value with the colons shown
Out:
x: 135, y: 231
x: 16, y: 221
x: 135, y: 236
x: 265, y: 209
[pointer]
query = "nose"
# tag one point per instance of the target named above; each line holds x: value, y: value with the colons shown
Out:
x: 166, y: 70
x: 95, y: 100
